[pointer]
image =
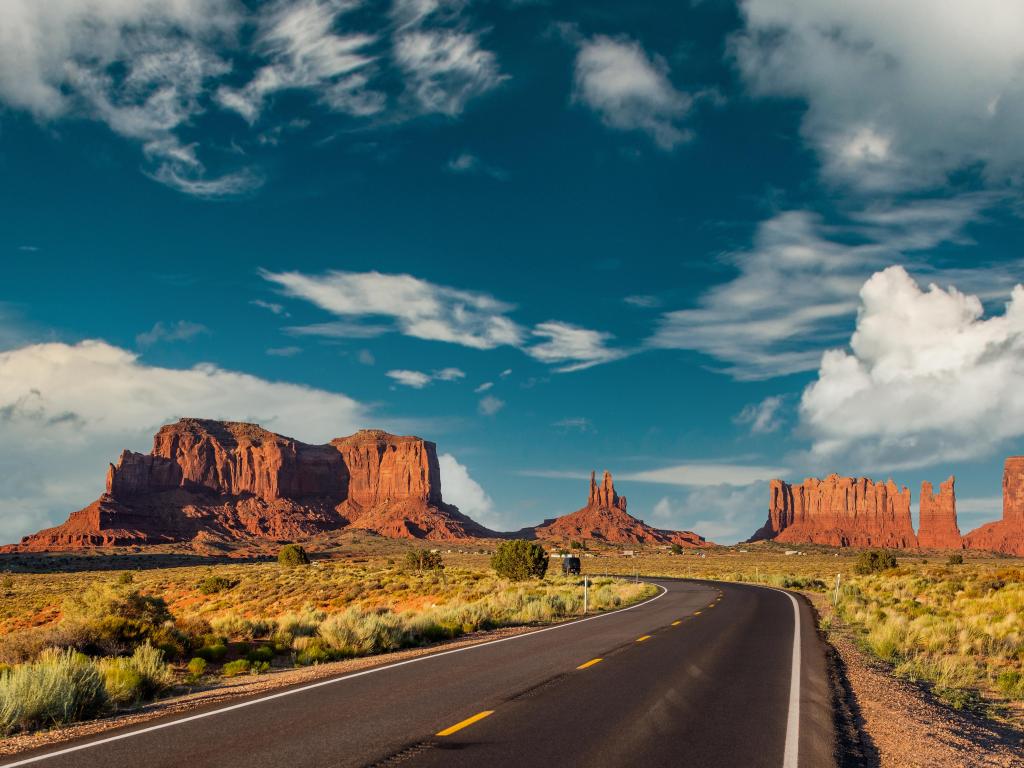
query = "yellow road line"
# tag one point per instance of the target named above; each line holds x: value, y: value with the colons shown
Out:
x: 590, y: 663
x: 696, y: 613
x: 676, y: 623
x: 641, y: 639
x: 468, y: 721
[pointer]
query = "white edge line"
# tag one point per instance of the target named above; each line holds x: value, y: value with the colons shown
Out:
x: 791, y: 752
x: 320, y: 684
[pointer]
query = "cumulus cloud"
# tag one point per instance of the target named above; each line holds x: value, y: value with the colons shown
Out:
x: 898, y: 96
x: 927, y: 378
x: 490, y: 405
x: 630, y: 90
x: 762, y: 417
x: 419, y: 379
x: 68, y: 410
x: 458, y: 488
x: 795, y: 291
x: 183, y: 330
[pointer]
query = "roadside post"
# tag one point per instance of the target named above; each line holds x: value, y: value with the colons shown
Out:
x: 586, y: 596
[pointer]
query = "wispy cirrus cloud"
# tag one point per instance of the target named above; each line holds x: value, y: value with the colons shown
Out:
x: 182, y: 330
x: 426, y: 310
x: 419, y: 379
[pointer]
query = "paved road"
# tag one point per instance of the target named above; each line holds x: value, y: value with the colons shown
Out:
x: 699, y: 676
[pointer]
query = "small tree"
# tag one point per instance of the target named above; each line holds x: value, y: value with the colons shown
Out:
x: 676, y: 549
x: 956, y: 559
x: 292, y: 555
x: 874, y: 561
x: 520, y: 559
x: 423, y: 560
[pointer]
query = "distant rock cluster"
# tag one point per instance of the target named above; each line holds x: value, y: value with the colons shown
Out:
x: 857, y: 512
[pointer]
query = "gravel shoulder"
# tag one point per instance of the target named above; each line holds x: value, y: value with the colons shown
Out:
x: 900, y: 725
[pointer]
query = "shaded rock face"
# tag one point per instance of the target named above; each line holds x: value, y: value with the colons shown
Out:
x: 235, y: 481
x: 840, y: 512
x: 1006, y: 535
x: 605, y: 519
x: 938, y: 528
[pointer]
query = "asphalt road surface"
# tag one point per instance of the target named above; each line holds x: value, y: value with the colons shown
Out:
x: 700, y: 676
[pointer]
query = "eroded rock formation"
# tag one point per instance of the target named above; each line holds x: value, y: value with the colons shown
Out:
x: 604, y: 518
x: 840, y: 512
x: 1006, y: 535
x: 234, y: 481
x: 937, y: 528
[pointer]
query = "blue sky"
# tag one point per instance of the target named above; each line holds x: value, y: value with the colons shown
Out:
x: 694, y: 245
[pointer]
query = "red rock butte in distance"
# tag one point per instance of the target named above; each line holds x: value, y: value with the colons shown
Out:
x: 605, y: 519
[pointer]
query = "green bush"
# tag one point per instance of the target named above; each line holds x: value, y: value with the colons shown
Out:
x: 235, y: 668
x: 355, y: 632
x: 423, y: 560
x: 292, y: 555
x: 956, y: 559
x: 141, y: 676
x: 314, y: 651
x: 260, y: 653
x: 519, y: 559
x: 874, y: 561
x: 213, y: 584
x: 196, y: 669
x: 62, y: 686
x: 676, y: 549
x: 111, y: 621
x: 213, y: 651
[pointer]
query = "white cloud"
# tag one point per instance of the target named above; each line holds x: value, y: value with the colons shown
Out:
x: 183, y: 330
x: 142, y: 68
x: 419, y: 379
x: 304, y: 52
x: 468, y: 163
x: 505, y: 373
x: 366, y: 357
x: 576, y: 423
x: 458, y: 488
x: 484, y: 387
x: 426, y: 310
x: 414, y: 379
x: 630, y: 90
x: 284, y: 351
x: 270, y: 306
x: 722, y: 514
x: 578, y: 347
x: 707, y: 474
x: 643, y: 301
x: 421, y: 309
x: 763, y: 417
x: 445, y: 68
x: 898, y: 95
x: 795, y: 293
x: 490, y: 405
x: 68, y: 410
x: 928, y: 378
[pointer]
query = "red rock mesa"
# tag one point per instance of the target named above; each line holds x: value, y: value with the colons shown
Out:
x: 605, y: 519
x: 233, y: 481
x: 840, y: 512
x: 1006, y: 535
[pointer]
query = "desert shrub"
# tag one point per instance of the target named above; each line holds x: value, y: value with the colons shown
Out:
x: 423, y: 560
x: 141, y: 676
x: 355, y: 632
x: 232, y: 626
x: 312, y: 651
x: 874, y: 561
x: 955, y: 559
x: 235, y: 668
x: 62, y: 686
x: 260, y: 653
x: 126, y: 578
x: 196, y: 669
x: 214, y: 584
x: 292, y: 555
x: 214, y: 650
x: 519, y: 559
x: 676, y: 549
x: 122, y: 683
x: 113, y: 620
x: 301, y: 624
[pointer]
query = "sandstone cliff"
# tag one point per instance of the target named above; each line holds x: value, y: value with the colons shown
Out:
x: 604, y: 518
x: 840, y: 512
x: 235, y: 480
x: 1006, y: 535
x: 937, y: 527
